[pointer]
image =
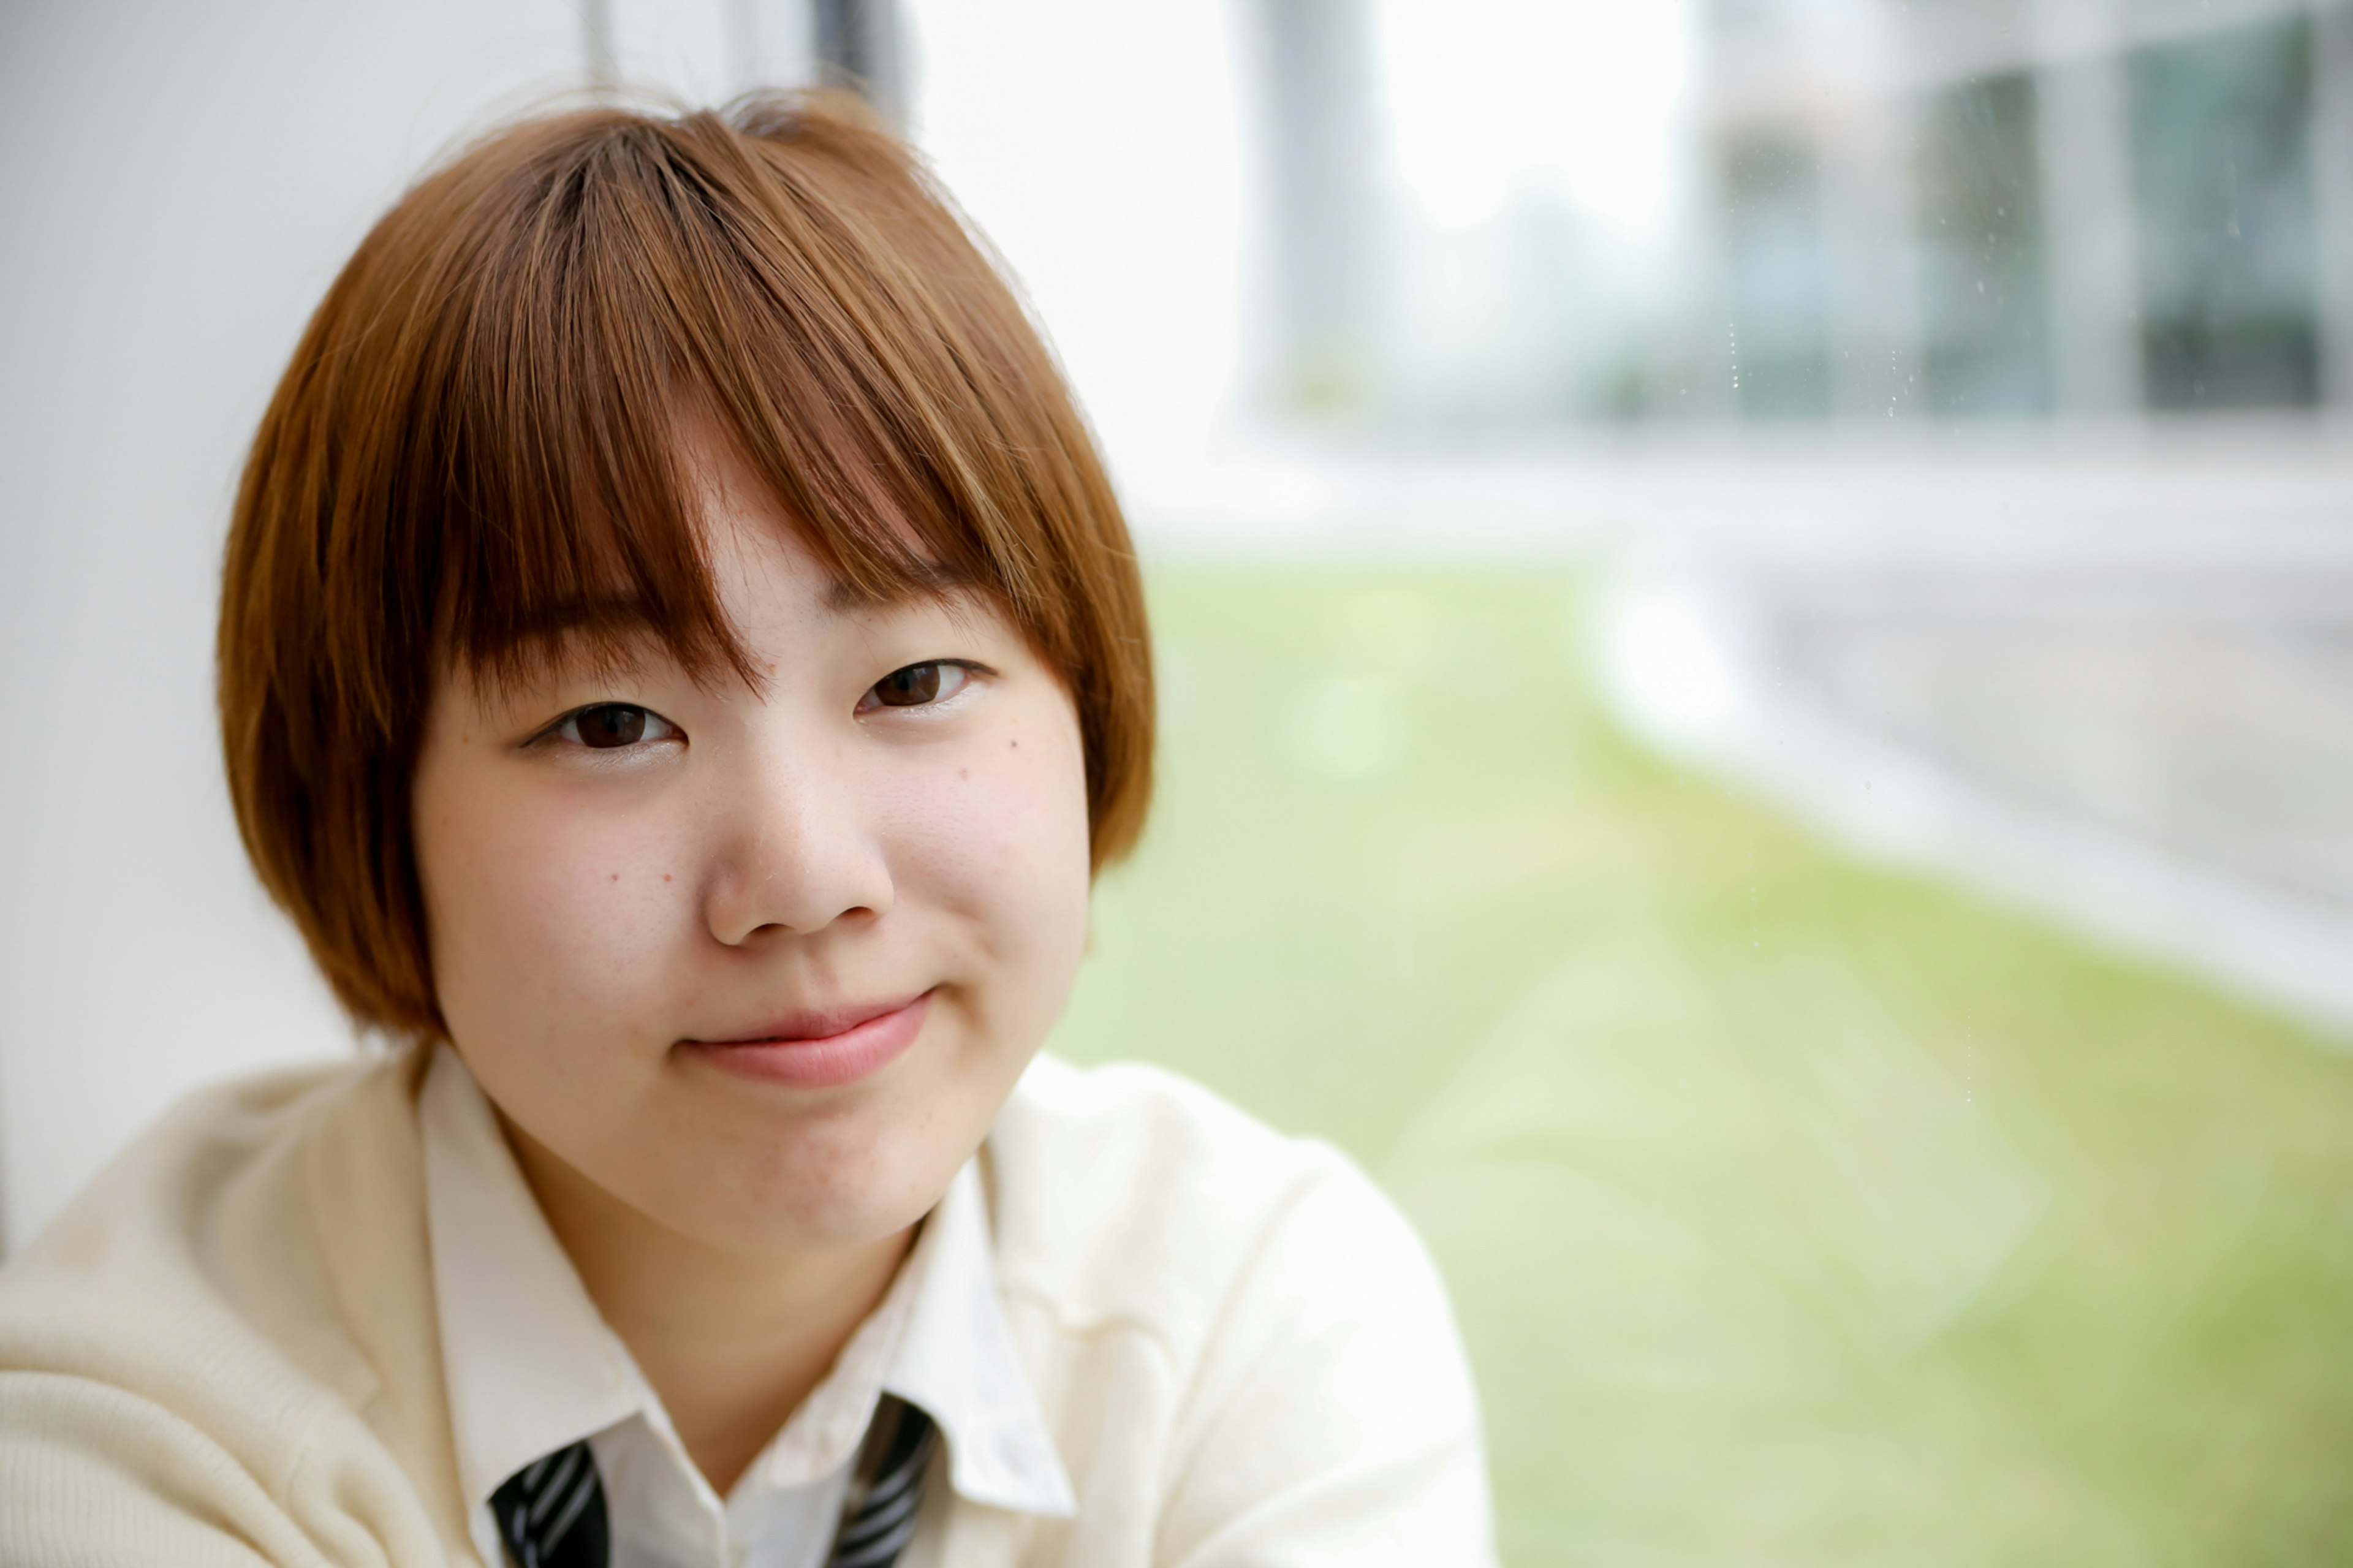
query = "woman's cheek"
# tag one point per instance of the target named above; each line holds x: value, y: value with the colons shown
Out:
x: 557, y: 920
x: 997, y: 838
x: 1037, y: 874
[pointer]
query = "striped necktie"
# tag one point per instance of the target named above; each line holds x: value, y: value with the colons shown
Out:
x: 878, y: 1517
x: 551, y: 1514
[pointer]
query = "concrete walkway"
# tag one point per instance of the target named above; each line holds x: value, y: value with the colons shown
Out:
x: 2160, y: 755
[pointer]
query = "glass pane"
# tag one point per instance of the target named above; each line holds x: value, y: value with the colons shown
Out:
x: 1980, y: 225
x: 2221, y: 142
x: 1777, y: 267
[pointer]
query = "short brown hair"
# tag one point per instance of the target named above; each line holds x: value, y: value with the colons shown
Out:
x: 476, y: 445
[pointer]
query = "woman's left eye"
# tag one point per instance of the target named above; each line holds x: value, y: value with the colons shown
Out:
x: 611, y: 726
x: 918, y: 685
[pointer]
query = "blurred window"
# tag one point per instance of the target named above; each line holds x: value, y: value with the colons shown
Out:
x: 1778, y: 267
x: 1323, y: 145
x: 1981, y: 249
x: 1735, y: 18
x: 2221, y: 143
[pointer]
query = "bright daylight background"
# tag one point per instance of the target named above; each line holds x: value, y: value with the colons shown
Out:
x: 1755, y: 603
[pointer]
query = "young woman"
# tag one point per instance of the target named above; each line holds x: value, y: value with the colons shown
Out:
x: 680, y: 667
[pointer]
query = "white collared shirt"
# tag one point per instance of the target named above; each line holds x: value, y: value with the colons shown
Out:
x: 530, y: 1368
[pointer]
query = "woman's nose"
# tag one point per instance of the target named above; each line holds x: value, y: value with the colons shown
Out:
x: 801, y: 850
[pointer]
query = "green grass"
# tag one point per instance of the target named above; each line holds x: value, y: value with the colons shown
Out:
x: 1797, y: 1211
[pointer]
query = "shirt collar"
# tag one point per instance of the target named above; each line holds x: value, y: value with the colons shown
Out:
x: 957, y: 1362
x: 531, y: 1367
x: 528, y: 1363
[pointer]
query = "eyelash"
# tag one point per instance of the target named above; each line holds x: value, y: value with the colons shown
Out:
x: 571, y: 722
x: 967, y: 668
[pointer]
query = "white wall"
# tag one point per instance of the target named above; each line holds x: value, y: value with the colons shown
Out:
x: 182, y: 181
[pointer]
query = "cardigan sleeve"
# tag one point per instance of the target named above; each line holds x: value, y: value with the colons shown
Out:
x: 1333, y: 1419
x: 94, y: 1477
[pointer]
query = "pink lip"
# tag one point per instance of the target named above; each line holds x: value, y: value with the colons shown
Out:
x: 820, y: 1050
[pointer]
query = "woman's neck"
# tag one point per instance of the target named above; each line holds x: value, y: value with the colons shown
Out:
x: 731, y: 1342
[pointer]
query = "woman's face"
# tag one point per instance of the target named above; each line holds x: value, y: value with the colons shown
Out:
x: 760, y: 965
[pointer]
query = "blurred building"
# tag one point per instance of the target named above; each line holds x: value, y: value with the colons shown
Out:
x: 1873, y: 210
x: 1323, y: 138
x: 2027, y: 207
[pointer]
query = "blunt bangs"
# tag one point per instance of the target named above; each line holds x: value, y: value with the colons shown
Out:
x: 477, y: 456
x: 635, y: 277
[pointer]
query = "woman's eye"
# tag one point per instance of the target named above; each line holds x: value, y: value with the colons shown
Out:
x: 919, y: 684
x: 610, y: 725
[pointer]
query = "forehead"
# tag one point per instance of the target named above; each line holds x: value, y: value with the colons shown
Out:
x: 698, y: 573
x: 754, y: 548
x: 769, y: 588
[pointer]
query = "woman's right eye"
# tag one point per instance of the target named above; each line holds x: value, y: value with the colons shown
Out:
x: 609, y: 726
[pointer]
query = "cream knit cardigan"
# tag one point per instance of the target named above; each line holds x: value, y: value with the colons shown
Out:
x: 224, y: 1351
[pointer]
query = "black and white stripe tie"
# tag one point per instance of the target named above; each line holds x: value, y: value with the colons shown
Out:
x: 878, y: 1517
x: 551, y: 1515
